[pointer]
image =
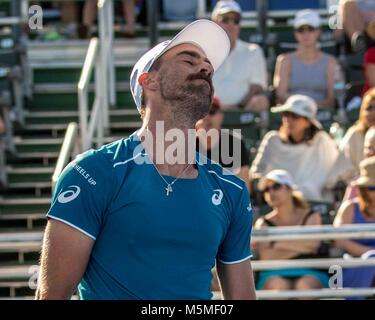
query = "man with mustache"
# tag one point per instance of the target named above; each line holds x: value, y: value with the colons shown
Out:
x: 150, y: 229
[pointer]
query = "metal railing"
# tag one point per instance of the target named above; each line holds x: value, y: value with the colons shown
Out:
x: 100, y: 56
x: 325, y: 232
x: 314, y: 293
x: 68, y: 147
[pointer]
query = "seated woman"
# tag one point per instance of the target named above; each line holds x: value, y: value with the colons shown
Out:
x: 351, y: 146
x: 289, y: 209
x: 360, y: 210
x: 300, y: 147
x: 308, y: 70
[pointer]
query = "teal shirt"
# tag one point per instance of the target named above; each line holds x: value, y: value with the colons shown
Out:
x: 149, y: 245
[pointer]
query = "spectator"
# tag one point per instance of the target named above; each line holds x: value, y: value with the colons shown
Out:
x: 300, y: 147
x: 89, y: 14
x: 289, y: 209
x: 214, y: 144
x: 369, y: 62
x: 292, y: 68
x: 242, y: 79
x: 356, y: 16
x: 368, y: 151
x: 360, y: 210
x: 70, y: 17
x: 351, y: 147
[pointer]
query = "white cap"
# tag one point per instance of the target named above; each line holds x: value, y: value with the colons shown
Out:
x: 225, y: 6
x: 204, y: 34
x: 306, y: 17
x: 303, y: 106
x: 279, y: 176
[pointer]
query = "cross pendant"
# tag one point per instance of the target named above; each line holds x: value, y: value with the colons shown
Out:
x: 169, y: 189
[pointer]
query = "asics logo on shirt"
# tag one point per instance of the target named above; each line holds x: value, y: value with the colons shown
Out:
x: 217, y: 197
x: 69, y: 195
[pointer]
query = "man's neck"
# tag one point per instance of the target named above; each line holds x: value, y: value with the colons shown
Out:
x: 170, y: 146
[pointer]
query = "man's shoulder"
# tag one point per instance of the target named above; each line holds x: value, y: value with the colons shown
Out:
x: 215, y: 171
x: 271, y: 136
x: 249, y: 47
x: 107, y: 156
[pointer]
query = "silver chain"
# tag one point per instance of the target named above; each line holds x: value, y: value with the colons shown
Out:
x: 169, y: 185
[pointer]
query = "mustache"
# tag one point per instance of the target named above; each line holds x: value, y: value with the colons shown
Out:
x: 203, y: 76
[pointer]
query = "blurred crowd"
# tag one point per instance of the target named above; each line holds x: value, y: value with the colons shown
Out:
x: 300, y: 163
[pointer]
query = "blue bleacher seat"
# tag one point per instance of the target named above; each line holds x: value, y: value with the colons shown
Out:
x: 180, y: 10
x: 250, y: 5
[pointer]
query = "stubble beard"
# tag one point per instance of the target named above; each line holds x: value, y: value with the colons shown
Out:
x: 188, y: 102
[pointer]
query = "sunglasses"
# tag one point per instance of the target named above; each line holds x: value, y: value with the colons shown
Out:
x: 291, y: 115
x: 226, y: 20
x: 305, y: 28
x: 274, y: 187
x: 370, y: 188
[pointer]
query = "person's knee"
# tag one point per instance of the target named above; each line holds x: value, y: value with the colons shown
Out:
x: 277, y: 283
x: 307, y: 283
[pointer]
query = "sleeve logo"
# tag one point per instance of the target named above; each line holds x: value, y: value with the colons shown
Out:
x: 217, y: 197
x: 69, y: 195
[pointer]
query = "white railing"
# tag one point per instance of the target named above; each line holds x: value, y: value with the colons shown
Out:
x: 260, y: 265
x: 68, y: 147
x: 325, y: 232
x: 100, y: 56
x: 314, y: 293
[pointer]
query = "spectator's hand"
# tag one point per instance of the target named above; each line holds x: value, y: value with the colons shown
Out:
x: 258, y: 103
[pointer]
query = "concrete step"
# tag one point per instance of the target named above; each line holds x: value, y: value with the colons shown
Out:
x: 72, y: 87
x: 24, y: 205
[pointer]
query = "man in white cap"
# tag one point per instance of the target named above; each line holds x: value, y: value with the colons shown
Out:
x: 241, y: 81
x: 123, y: 225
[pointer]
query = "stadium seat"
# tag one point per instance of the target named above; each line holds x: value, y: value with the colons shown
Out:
x: 180, y: 10
x: 247, y: 122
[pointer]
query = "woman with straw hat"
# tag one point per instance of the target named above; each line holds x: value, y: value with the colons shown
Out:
x: 300, y: 147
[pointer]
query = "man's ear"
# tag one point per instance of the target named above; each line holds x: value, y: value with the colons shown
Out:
x: 147, y: 81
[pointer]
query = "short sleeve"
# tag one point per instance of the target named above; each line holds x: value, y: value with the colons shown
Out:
x: 370, y: 56
x: 265, y: 151
x: 82, y: 194
x: 259, y: 68
x: 235, y: 247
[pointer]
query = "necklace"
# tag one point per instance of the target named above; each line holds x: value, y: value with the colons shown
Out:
x: 169, y: 185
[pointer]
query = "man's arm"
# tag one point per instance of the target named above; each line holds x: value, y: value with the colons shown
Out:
x: 236, y: 280
x: 65, y: 254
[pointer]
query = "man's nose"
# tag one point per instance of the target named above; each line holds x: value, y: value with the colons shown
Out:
x: 207, y: 69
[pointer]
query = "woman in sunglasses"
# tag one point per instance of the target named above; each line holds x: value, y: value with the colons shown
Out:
x: 352, y: 145
x: 360, y: 210
x: 300, y: 146
x: 307, y: 70
x: 289, y: 209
